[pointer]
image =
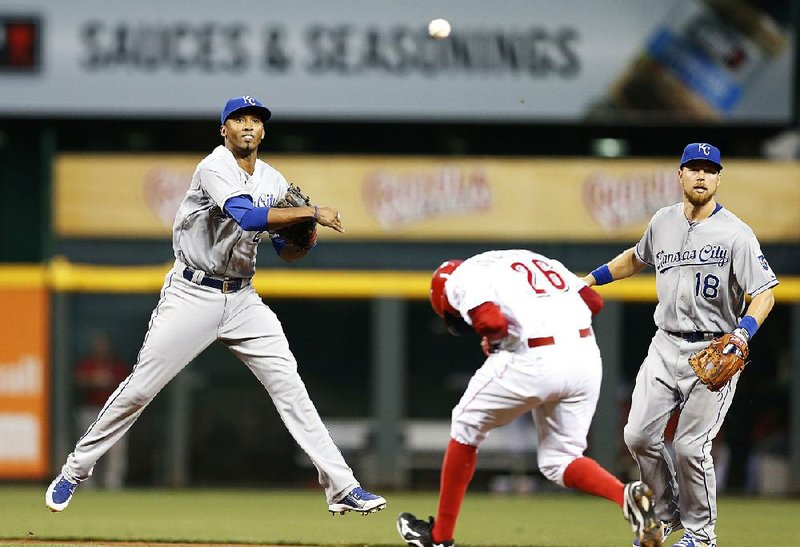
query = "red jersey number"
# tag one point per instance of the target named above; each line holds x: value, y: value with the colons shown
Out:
x: 549, y: 274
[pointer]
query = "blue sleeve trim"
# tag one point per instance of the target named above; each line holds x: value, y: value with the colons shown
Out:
x: 768, y: 285
x: 246, y: 215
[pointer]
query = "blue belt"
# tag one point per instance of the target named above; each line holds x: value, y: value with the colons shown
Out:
x: 696, y: 336
x: 223, y: 285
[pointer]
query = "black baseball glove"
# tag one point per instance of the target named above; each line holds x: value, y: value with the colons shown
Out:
x: 301, y: 234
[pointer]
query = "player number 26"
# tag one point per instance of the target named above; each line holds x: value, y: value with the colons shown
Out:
x: 549, y: 274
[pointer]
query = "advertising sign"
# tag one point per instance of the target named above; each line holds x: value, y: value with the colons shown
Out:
x: 24, y: 379
x: 433, y: 198
x: 373, y: 60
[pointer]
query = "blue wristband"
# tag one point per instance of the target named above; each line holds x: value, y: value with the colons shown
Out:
x: 602, y: 275
x: 749, y: 324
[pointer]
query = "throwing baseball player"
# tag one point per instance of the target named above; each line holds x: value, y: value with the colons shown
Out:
x: 706, y: 259
x: 208, y: 296
x: 534, y: 317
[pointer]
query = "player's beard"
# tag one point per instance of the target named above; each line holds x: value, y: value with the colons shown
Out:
x: 246, y: 148
x: 696, y: 199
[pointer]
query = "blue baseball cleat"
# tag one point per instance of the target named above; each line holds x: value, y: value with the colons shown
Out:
x: 59, y: 493
x: 358, y: 500
x: 688, y: 540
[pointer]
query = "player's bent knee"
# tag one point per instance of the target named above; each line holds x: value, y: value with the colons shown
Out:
x: 138, y: 396
x: 636, y: 441
x: 686, y: 449
x: 465, y: 433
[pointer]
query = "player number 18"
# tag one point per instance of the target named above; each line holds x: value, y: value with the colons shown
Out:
x: 708, y: 286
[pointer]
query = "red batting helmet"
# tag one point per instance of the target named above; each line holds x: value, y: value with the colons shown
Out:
x: 438, y: 296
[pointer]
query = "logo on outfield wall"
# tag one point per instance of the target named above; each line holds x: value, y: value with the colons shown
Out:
x: 164, y: 189
x: 617, y: 202
x: 400, y: 199
x: 19, y: 44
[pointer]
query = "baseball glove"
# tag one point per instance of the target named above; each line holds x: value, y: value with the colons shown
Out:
x: 720, y: 360
x: 302, y: 234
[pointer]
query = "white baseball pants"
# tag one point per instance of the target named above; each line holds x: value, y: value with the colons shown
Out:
x: 559, y: 384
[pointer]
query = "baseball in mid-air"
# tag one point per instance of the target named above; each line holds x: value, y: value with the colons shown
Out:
x: 439, y: 28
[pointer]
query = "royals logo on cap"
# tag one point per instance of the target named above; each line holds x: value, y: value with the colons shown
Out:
x: 245, y: 101
x: 701, y: 151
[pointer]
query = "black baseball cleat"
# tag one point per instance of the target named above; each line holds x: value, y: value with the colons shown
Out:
x: 417, y: 532
x: 639, y: 508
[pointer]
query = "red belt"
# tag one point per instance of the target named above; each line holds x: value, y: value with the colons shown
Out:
x: 549, y: 340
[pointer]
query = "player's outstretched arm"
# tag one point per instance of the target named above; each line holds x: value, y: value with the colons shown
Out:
x: 761, y: 305
x: 289, y: 251
x: 330, y: 217
x: 281, y: 217
x: 623, y: 265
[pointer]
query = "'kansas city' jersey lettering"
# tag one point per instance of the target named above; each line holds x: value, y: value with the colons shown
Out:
x: 708, y: 254
x: 703, y: 269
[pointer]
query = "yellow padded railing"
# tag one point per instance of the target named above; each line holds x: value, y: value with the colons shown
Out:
x: 61, y: 275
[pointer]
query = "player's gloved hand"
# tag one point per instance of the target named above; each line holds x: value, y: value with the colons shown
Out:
x: 742, y: 335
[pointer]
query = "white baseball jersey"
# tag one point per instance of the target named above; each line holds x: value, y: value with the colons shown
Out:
x: 557, y: 380
x: 538, y: 295
x: 703, y: 269
x: 200, y: 219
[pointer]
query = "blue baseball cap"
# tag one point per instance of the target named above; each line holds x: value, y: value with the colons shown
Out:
x: 246, y: 101
x: 701, y: 151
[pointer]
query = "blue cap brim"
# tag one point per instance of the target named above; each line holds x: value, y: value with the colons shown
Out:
x: 265, y: 112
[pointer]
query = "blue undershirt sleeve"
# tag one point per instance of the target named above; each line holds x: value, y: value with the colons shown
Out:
x: 246, y: 215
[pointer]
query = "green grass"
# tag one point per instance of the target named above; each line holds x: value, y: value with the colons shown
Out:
x: 301, y: 518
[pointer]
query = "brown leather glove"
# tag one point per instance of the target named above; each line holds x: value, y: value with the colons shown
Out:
x: 720, y: 360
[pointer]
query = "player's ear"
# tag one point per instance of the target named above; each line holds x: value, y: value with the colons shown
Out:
x: 222, y: 131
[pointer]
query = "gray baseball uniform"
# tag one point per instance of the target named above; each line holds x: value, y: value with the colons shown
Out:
x: 208, y: 296
x: 703, y: 271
